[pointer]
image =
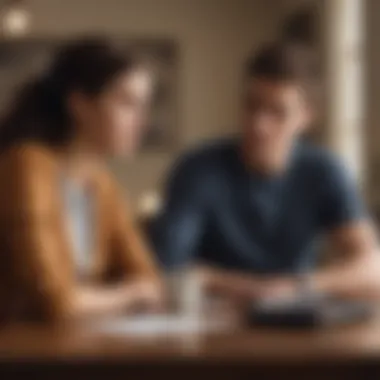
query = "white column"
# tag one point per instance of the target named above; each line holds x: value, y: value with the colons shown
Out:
x: 343, y: 51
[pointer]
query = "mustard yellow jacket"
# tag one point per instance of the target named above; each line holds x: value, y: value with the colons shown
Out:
x: 36, y: 263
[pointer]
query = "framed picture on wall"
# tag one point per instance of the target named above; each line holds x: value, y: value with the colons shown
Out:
x: 20, y: 60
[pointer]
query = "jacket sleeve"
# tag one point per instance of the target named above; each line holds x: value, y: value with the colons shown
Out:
x: 35, y: 241
x: 127, y: 243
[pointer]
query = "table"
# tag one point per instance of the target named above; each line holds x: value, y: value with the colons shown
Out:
x: 238, y: 352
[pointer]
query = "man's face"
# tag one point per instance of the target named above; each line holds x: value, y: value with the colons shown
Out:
x: 274, y: 114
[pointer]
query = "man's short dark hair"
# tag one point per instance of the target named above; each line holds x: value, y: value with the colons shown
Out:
x: 285, y: 62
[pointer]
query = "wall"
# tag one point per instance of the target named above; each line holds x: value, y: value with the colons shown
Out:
x: 213, y: 36
x: 345, y: 117
x: 373, y: 100
x: 344, y: 72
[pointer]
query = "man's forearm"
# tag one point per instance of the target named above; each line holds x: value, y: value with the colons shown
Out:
x: 358, y: 277
x: 358, y: 274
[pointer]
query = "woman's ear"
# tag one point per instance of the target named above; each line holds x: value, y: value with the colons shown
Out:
x: 78, y: 106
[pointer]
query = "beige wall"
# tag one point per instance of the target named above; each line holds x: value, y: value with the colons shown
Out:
x: 344, y: 74
x: 373, y: 99
x: 348, y: 121
x: 214, y: 36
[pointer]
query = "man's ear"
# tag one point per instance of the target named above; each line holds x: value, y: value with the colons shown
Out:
x: 308, y: 118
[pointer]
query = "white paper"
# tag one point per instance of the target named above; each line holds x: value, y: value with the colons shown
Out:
x: 152, y: 325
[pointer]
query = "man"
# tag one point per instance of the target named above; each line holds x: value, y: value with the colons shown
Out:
x: 253, y: 209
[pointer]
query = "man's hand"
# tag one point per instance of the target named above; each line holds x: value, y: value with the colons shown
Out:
x: 244, y: 288
x: 278, y: 287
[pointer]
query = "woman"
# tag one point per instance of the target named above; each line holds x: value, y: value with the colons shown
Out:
x: 68, y: 247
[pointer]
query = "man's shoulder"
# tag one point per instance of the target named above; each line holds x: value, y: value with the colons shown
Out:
x: 317, y: 159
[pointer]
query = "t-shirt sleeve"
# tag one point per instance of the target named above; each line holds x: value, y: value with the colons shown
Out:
x: 341, y: 202
x: 177, y: 232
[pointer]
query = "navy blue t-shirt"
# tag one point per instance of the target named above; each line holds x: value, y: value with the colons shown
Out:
x: 218, y: 212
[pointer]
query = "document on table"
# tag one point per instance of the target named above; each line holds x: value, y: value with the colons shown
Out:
x: 151, y: 325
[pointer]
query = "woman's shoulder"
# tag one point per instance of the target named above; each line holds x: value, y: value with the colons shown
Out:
x: 26, y: 177
x: 27, y: 164
x: 28, y: 156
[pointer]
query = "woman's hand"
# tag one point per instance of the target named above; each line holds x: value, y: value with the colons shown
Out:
x: 146, y: 295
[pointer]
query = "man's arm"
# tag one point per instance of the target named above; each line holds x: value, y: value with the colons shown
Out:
x: 356, y: 272
x: 177, y: 232
x: 351, y: 235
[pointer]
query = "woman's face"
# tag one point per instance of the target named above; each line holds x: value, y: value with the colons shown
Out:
x: 112, y: 122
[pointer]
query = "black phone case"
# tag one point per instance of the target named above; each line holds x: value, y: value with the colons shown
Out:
x: 301, y: 313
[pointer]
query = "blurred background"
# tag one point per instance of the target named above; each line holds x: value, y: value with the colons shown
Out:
x: 199, y: 48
